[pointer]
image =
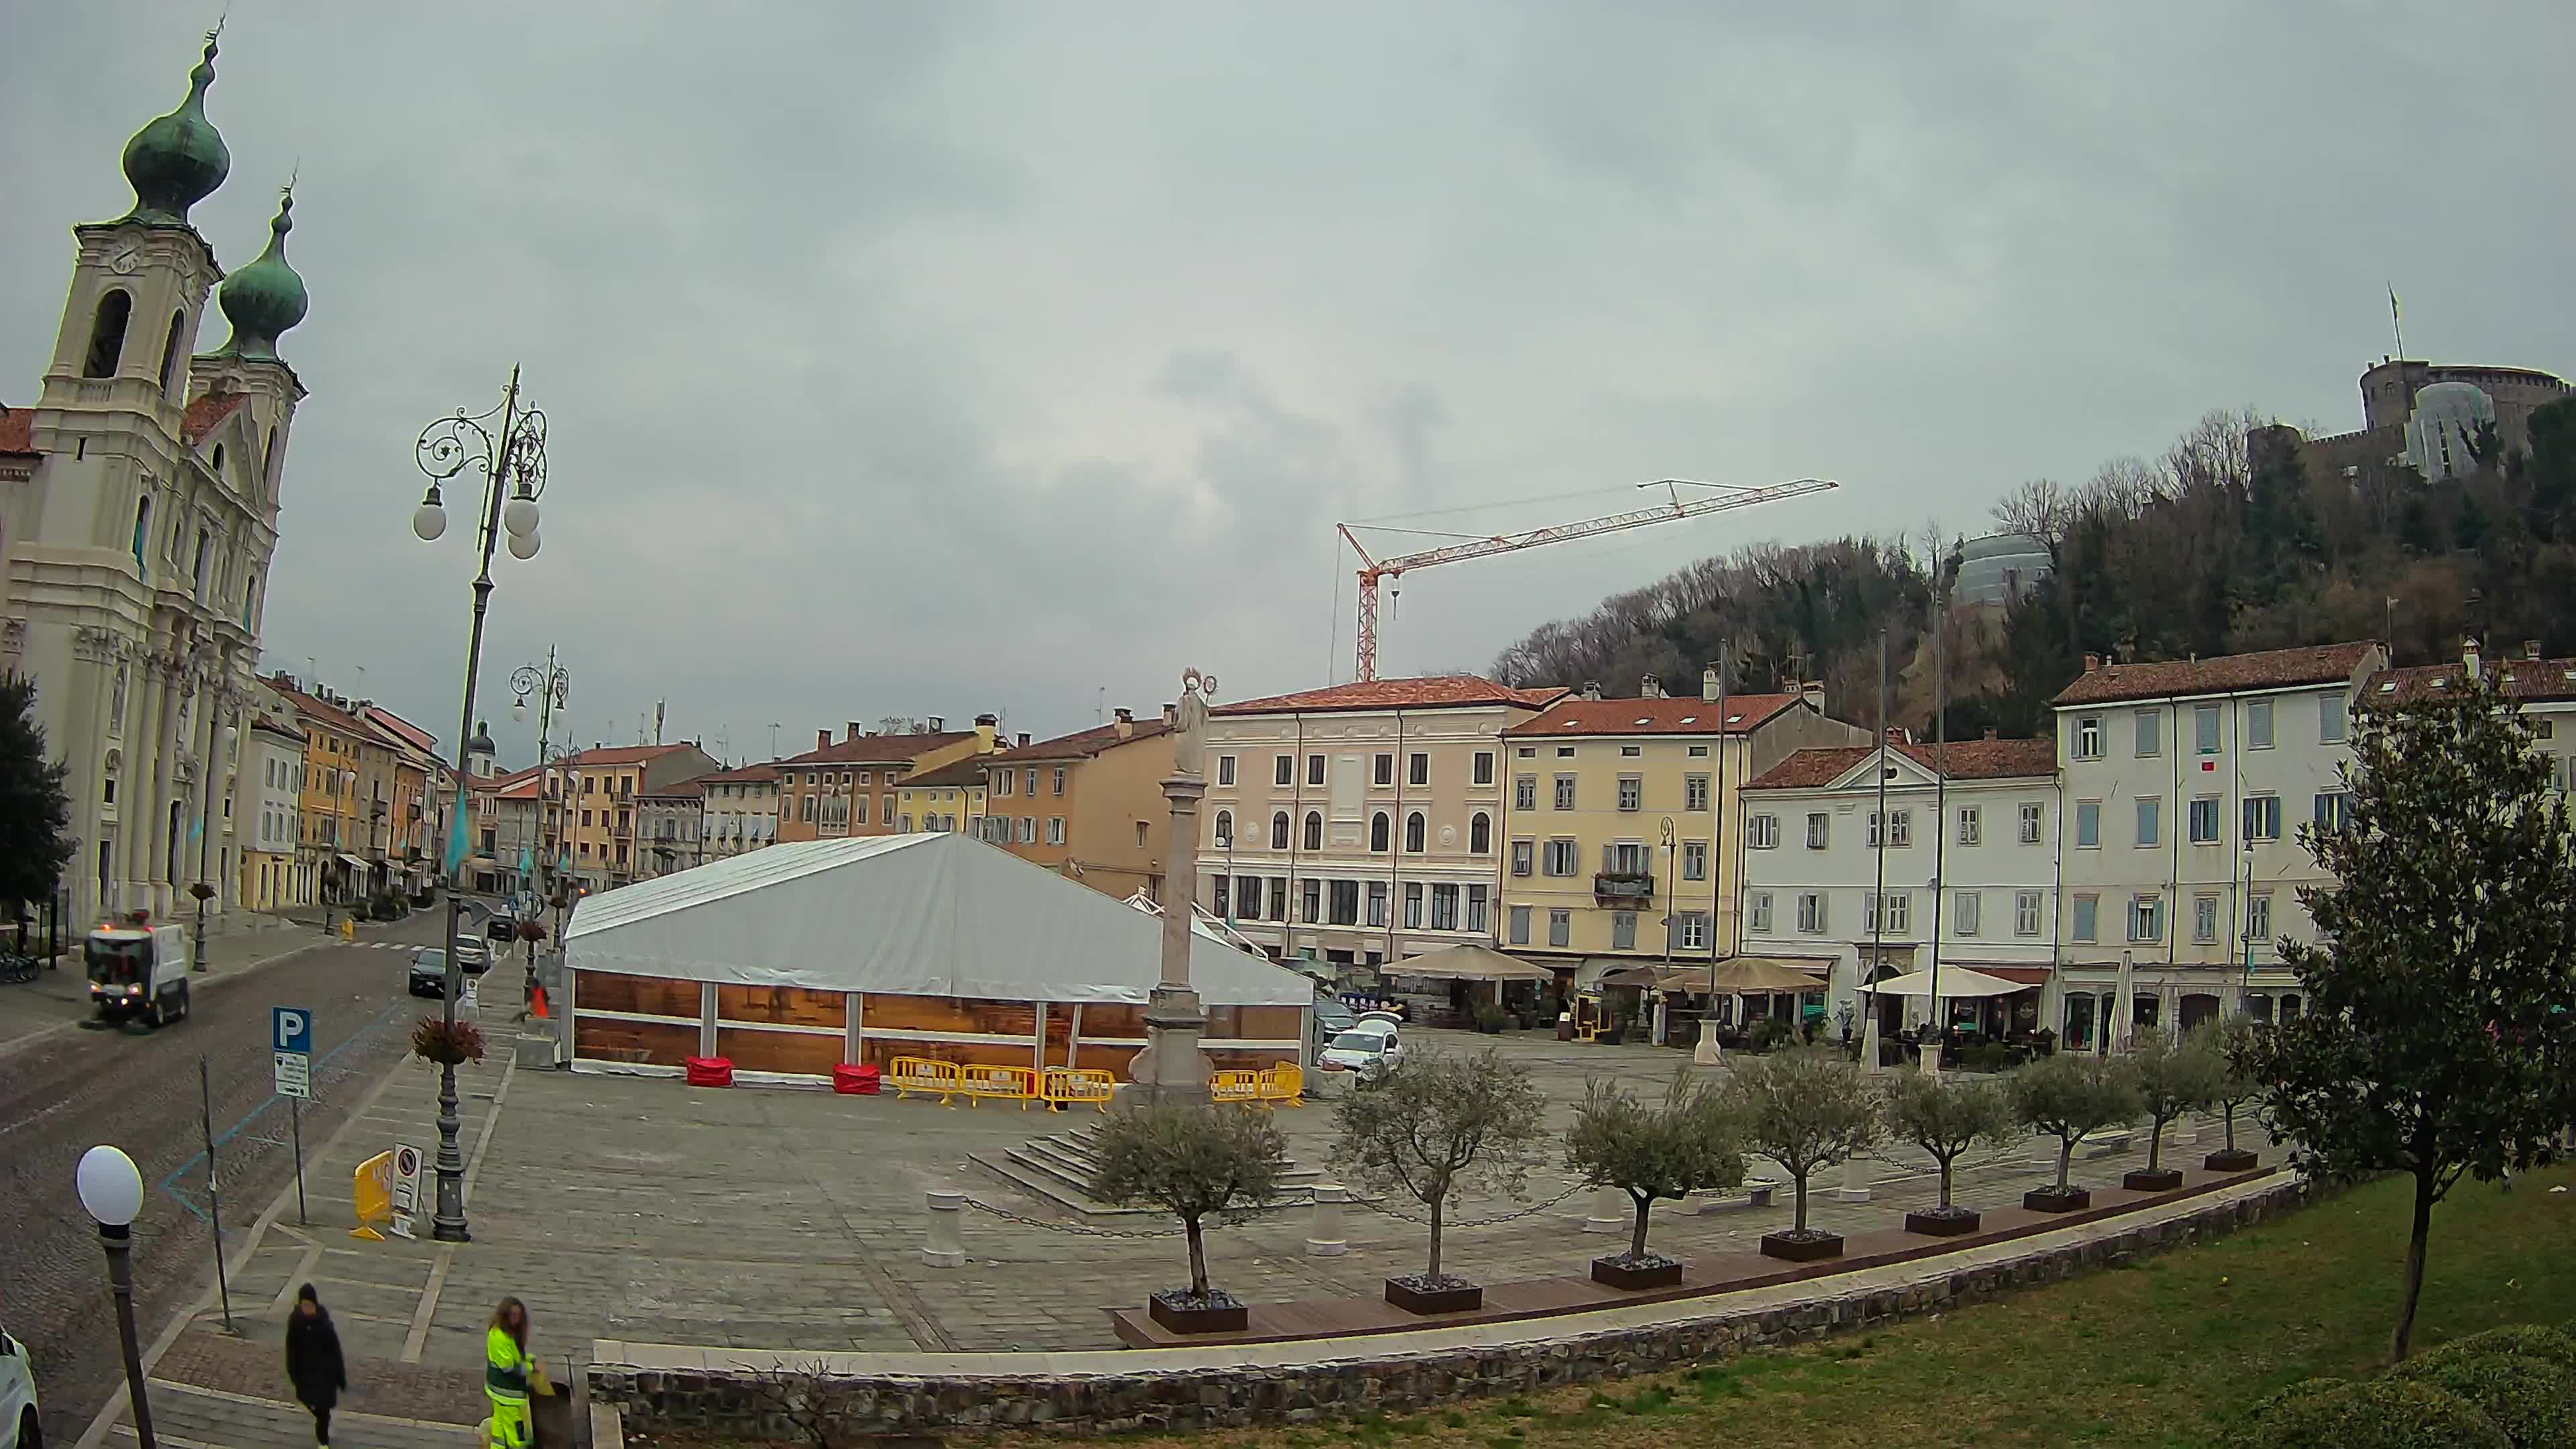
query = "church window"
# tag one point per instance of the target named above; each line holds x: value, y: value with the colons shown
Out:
x: 107, y: 334
x: 218, y: 468
x: 142, y: 531
x: 170, y: 351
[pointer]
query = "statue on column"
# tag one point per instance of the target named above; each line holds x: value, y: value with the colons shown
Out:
x: 1189, y: 722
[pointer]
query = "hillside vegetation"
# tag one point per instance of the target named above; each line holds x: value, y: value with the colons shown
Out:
x: 2202, y: 550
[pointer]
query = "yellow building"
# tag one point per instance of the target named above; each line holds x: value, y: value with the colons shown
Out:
x: 950, y: 797
x: 1621, y: 820
x: 600, y: 786
x: 851, y: 788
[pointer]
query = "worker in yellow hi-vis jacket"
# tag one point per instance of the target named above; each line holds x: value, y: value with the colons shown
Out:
x: 506, y: 1367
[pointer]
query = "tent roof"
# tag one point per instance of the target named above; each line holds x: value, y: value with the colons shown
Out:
x: 1468, y: 962
x: 932, y: 914
x: 1955, y: 981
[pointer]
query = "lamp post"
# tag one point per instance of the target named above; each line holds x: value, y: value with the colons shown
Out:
x: 201, y: 889
x: 513, y: 463
x: 552, y: 686
x: 111, y: 1192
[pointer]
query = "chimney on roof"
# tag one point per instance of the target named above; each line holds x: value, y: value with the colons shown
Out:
x: 1171, y: 715
x: 1022, y: 738
x: 2092, y: 663
x: 1990, y: 732
x: 1651, y: 686
x: 1592, y: 689
x: 1813, y: 692
x: 823, y: 738
x: 2531, y: 649
x: 1126, y: 720
x: 987, y: 728
x: 854, y: 730
x: 938, y: 724
x: 2469, y: 655
x: 1708, y: 684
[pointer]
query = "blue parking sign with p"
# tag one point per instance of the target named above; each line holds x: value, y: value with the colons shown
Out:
x: 290, y: 1029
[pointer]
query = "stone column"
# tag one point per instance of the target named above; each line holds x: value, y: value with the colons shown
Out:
x: 1325, y: 1238
x: 1612, y: 1212
x: 1855, y: 1186
x: 1172, y: 1068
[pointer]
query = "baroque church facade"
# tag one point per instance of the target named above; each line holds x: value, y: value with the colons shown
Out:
x: 138, y: 516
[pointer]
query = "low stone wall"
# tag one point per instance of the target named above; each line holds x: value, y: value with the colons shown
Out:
x: 1327, y: 1379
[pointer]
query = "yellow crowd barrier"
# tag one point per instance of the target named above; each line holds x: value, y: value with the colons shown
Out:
x: 1284, y: 1085
x: 908, y: 1075
x: 1238, y: 1085
x: 1064, y: 1087
x: 979, y: 1080
x: 372, y: 1188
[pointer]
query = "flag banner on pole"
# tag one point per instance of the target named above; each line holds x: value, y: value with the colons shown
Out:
x: 456, y: 836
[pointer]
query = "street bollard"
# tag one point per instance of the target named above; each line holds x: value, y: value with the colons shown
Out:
x: 947, y: 1245
x: 1855, y: 1186
x: 1611, y: 1212
x: 1324, y: 1238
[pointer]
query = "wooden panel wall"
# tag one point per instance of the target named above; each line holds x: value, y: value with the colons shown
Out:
x: 658, y: 1043
x: 940, y: 1013
x: 780, y: 1005
x: 881, y: 1050
x: 779, y: 1051
x: 1272, y: 1023
x: 645, y: 995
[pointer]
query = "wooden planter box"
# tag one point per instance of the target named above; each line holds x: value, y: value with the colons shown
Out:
x: 2159, y: 1179
x: 1656, y: 1272
x: 2231, y: 1159
x: 1456, y: 1298
x: 1801, y: 1250
x: 1181, y: 1314
x: 1934, y: 1223
x: 2050, y: 1200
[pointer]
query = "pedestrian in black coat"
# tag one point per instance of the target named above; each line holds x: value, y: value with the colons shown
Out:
x: 313, y: 1360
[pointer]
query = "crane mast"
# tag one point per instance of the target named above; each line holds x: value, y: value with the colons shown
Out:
x: 1373, y: 571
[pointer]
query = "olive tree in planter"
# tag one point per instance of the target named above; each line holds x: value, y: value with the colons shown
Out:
x: 2173, y: 1075
x: 1192, y: 1161
x: 2235, y: 1043
x: 1806, y: 1110
x: 1946, y: 1116
x: 1429, y: 1125
x: 1684, y: 1144
x: 2070, y: 1097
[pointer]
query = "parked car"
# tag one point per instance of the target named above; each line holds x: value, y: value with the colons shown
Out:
x: 18, y: 1428
x: 1367, y: 1049
x: 1332, y: 1019
x: 502, y: 927
x: 473, y: 955
x: 429, y: 972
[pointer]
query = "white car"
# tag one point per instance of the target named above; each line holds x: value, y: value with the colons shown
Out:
x: 17, y: 1397
x: 1369, y: 1047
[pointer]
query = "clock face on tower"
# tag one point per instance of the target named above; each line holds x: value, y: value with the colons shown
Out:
x: 125, y: 261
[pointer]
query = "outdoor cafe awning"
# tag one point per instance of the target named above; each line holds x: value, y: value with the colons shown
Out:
x: 1468, y: 963
x: 354, y: 862
x: 1956, y: 981
x: 1735, y: 975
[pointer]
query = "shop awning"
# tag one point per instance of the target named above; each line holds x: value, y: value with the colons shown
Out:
x: 2027, y: 976
x: 1468, y: 963
x: 353, y: 862
x: 1956, y: 981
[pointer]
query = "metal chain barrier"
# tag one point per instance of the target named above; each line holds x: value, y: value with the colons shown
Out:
x: 1008, y: 1216
x: 1424, y: 1219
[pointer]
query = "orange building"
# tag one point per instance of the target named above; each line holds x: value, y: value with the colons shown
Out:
x: 1089, y: 805
x: 598, y: 789
x: 835, y: 790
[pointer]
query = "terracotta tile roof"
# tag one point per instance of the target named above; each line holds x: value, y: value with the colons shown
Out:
x: 1081, y: 744
x: 2541, y: 679
x: 523, y: 788
x: 677, y: 790
x: 403, y: 729
x: 877, y: 749
x: 748, y: 774
x: 622, y: 754
x: 18, y: 431
x: 1442, y: 691
x: 2271, y: 669
x: 968, y: 771
x: 1572, y: 716
x: 318, y: 707
x: 1967, y: 760
x: 208, y: 413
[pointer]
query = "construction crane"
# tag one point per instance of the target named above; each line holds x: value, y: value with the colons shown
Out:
x: 1374, y: 570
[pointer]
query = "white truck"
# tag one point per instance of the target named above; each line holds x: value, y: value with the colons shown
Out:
x: 138, y: 971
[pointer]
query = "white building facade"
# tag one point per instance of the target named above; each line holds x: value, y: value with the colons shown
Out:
x: 270, y: 815
x: 1963, y: 870
x: 1342, y: 825
x: 2185, y: 784
x: 138, y: 514
x: 741, y: 810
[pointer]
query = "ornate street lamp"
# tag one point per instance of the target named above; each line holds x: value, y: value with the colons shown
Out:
x: 111, y: 1192
x: 508, y: 445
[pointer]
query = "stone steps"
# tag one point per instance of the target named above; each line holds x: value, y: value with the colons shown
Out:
x: 1058, y: 1169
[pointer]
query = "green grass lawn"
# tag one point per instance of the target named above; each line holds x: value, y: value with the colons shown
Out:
x: 2162, y: 1352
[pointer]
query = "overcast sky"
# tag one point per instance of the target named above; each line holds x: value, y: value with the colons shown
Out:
x: 935, y: 358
